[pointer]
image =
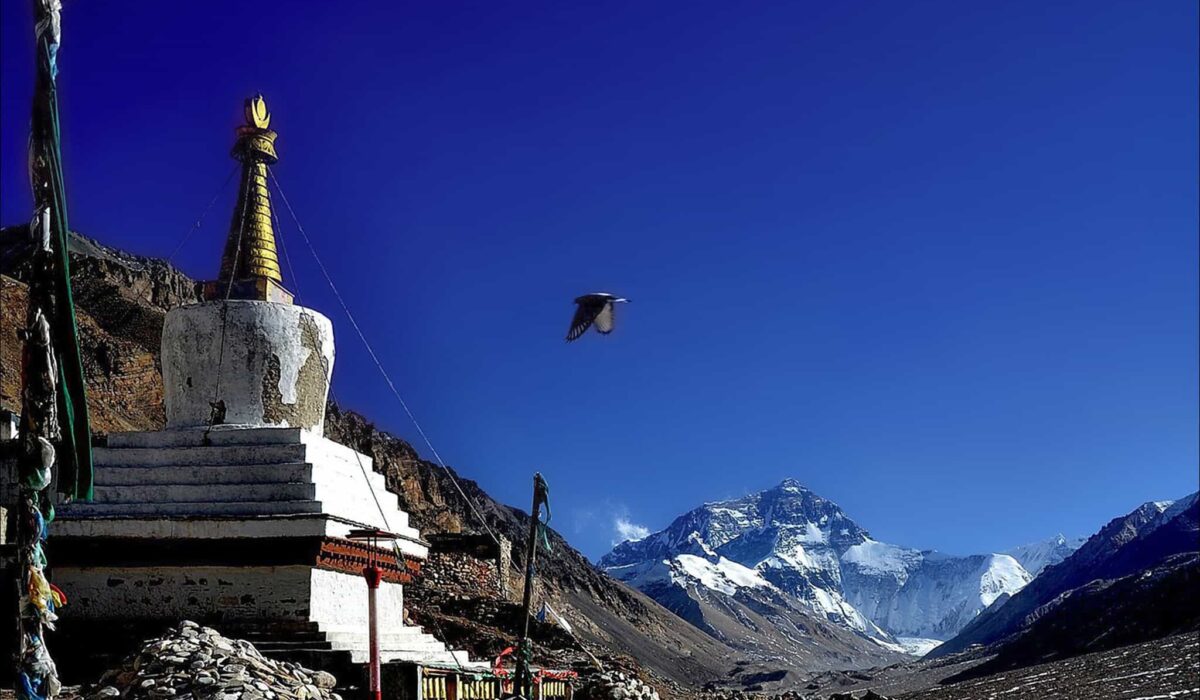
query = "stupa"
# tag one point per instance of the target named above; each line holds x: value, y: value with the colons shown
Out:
x: 237, y: 513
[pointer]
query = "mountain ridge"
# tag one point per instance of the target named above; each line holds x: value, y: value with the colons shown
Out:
x: 1125, y: 546
x: 1034, y: 557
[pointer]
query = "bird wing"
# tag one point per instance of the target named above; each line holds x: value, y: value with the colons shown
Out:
x: 585, y: 315
x: 604, y: 319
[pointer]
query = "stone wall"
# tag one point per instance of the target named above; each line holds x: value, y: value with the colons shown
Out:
x: 469, y: 565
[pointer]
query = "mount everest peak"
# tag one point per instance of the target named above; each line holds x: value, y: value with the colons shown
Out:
x: 793, y: 543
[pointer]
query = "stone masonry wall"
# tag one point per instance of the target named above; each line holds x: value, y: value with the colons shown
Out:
x: 469, y: 565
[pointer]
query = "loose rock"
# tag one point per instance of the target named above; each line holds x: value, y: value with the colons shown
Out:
x: 192, y: 661
x: 613, y: 685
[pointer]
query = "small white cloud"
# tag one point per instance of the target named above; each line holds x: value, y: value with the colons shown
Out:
x: 626, y: 530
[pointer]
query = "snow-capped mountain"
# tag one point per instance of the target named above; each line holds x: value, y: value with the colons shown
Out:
x: 790, y: 540
x: 1036, y: 556
x: 738, y: 606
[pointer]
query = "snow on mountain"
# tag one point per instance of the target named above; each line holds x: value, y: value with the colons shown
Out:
x: 1036, y: 556
x: 927, y: 594
x: 718, y: 573
x: 1171, y: 509
x: 739, y: 606
x: 807, y: 548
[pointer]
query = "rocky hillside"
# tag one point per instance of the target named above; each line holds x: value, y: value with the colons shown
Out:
x: 790, y: 544
x: 122, y: 300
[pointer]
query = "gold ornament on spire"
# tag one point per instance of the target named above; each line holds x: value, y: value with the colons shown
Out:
x: 256, y: 112
x: 250, y: 264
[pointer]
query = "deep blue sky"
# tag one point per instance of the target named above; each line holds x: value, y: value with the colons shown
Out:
x: 936, y: 260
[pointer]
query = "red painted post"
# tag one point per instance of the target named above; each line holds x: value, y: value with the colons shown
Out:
x: 373, y: 576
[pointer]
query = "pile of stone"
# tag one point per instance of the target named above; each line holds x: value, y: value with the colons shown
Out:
x: 614, y: 685
x: 191, y: 662
x: 737, y: 694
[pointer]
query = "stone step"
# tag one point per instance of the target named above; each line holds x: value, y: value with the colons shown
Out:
x: 197, y: 438
x: 199, y: 456
x: 403, y: 639
x: 441, y: 658
x: 347, y: 497
x: 390, y: 652
x: 204, y: 474
x: 206, y: 508
x: 267, y: 646
x: 208, y: 493
x: 423, y: 646
x: 362, y: 514
x: 255, y: 629
x: 233, y: 473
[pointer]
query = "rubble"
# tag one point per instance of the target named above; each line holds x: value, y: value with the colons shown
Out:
x: 191, y: 662
x: 614, y: 685
x: 737, y: 694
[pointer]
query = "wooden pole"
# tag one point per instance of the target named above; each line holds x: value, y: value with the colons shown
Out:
x: 524, y: 680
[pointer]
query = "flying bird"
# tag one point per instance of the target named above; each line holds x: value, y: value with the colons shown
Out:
x: 595, y: 308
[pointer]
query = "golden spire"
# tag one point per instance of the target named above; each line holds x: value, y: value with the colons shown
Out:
x: 250, y: 265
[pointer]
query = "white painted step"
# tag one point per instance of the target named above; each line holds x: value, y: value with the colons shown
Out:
x: 442, y: 658
x: 198, y: 456
x: 420, y: 646
x: 407, y: 637
x: 206, y: 508
x: 232, y: 473
x: 205, y: 474
x: 210, y: 493
x: 196, y: 438
x: 346, y: 497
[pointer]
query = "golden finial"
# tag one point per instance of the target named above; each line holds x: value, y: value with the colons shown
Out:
x: 250, y: 264
x: 256, y: 112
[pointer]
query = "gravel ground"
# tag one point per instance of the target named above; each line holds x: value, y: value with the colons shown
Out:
x: 1165, y: 669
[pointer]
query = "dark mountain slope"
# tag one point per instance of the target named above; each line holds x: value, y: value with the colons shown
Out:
x: 1106, y: 614
x: 1126, y: 546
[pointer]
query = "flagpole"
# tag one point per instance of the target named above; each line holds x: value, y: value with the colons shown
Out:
x: 55, y: 434
x: 523, y: 685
